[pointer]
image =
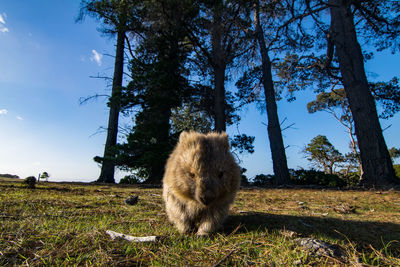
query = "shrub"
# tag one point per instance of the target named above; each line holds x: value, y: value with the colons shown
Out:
x: 397, y: 170
x: 314, y: 177
x: 352, y: 178
x: 30, y: 181
x: 263, y: 180
x: 244, y: 181
x: 7, y: 175
x: 130, y: 179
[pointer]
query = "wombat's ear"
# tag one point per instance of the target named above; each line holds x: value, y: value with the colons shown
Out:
x: 224, y: 140
x: 183, y: 136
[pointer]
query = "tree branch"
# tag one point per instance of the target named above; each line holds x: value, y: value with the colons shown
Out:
x: 84, y: 100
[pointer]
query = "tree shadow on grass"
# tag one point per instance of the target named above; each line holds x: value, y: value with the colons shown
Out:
x: 362, y: 233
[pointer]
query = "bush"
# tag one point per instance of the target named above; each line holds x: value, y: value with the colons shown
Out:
x: 130, y: 179
x: 397, y: 170
x: 352, y: 178
x: 7, y: 175
x: 314, y: 177
x: 263, y: 180
x: 244, y: 181
x: 30, y: 181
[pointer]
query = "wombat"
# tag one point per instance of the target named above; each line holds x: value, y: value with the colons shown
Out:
x: 200, y: 182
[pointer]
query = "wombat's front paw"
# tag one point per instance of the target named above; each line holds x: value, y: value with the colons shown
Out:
x: 201, y: 233
x: 184, y: 228
x: 206, y: 228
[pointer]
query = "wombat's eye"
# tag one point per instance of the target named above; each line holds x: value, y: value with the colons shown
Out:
x: 191, y: 174
x: 220, y: 174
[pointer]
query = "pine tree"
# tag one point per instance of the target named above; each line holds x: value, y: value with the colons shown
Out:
x: 373, y: 22
x: 159, y: 85
x: 117, y: 19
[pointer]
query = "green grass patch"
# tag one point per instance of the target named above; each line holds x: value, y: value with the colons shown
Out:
x: 65, y: 224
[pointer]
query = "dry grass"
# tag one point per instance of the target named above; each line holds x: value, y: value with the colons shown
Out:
x: 65, y: 224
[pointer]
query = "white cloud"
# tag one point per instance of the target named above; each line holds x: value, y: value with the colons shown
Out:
x: 20, y: 118
x: 3, y: 111
x: 3, y: 28
x: 96, y: 57
x: 2, y: 18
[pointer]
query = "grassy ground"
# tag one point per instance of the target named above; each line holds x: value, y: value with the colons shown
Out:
x: 65, y: 224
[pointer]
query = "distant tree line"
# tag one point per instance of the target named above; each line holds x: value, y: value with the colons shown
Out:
x: 179, y: 57
x: 7, y: 175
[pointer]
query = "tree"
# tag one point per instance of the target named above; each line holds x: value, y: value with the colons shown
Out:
x: 281, y: 171
x: 116, y: 17
x: 159, y: 86
x: 388, y: 95
x: 45, y: 175
x: 219, y: 37
x: 186, y: 118
x: 377, y: 166
x: 336, y: 104
x: 323, y: 153
x: 164, y: 100
x: 394, y: 153
x: 374, y: 22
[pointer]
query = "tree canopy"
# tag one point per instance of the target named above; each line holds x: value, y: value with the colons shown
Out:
x: 323, y: 153
x: 182, y: 54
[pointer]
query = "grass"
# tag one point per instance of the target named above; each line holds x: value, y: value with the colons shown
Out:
x: 65, y: 223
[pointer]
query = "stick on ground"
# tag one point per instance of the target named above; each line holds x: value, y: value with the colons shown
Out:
x: 140, y: 239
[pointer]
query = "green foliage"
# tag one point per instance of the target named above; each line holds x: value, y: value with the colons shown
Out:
x: 388, y: 95
x: 394, y: 153
x: 314, y: 177
x: 159, y: 85
x: 243, y: 143
x: 44, y: 175
x: 244, y: 181
x: 351, y: 178
x: 114, y: 15
x: 335, y: 103
x: 397, y: 169
x: 351, y: 161
x: 30, y: 181
x: 7, y: 175
x: 323, y: 153
x: 248, y: 86
x: 263, y: 180
x: 186, y: 118
x: 130, y: 179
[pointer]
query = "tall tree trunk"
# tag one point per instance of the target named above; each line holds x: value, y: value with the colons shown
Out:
x: 169, y: 97
x: 162, y: 122
x: 354, y: 148
x: 219, y: 98
x: 219, y: 67
x: 277, y: 147
x: 376, y: 164
x: 330, y: 168
x: 108, y: 166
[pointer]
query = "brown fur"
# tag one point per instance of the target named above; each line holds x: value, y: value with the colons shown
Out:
x: 200, y: 182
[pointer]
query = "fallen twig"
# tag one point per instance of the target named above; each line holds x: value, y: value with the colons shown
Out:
x: 140, y: 239
x: 227, y: 256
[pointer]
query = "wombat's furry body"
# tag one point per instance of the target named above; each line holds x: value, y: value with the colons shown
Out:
x: 200, y: 182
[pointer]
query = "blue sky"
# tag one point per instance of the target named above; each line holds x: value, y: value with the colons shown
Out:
x: 45, y: 63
